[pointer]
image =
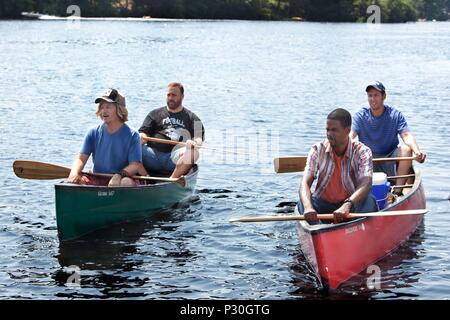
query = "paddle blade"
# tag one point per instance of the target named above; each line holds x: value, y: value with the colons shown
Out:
x: 289, y: 164
x: 39, y: 170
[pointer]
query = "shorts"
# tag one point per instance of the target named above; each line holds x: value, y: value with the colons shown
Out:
x: 157, y: 161
x: 390, y: 168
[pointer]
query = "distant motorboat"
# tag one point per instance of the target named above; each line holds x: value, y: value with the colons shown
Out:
x: 31, y: 15
x: 39, y: 16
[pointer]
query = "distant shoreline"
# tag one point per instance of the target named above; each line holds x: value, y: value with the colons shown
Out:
x: 45, y: 17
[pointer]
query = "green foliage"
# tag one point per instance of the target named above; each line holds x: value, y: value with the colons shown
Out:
x: 13, y: 9
x: 312, y: 10
x: 433, y: 9
x: 327, y: 10
x: 399, y: 11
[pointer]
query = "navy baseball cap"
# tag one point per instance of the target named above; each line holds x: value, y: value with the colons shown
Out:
x: 377, y: 85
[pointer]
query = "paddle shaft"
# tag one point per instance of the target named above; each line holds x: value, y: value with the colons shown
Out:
x: 393, y: 159
x: 109, y: 175
x: 46, y: 171
x: 329, y: 216
x: 164, y: 141
x: 298, y: 163
x: 403, y: 176
x: 402, y: 186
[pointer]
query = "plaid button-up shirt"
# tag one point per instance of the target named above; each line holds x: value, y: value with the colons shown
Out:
x: 356, y: 164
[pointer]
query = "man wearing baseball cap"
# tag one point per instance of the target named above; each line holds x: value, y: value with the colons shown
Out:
x: 115, y: 147
x: 378, y: 127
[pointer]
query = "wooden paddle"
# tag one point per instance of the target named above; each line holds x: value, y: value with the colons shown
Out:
x: 298, y: 164
x: 329, y: 216
x: 164, y: 141
x: 36, y: 170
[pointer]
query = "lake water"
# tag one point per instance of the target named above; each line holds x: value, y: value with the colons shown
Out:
x: 262, y: 87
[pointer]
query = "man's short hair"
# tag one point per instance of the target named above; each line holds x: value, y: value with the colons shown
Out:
x: 176, y: 85
x: 341, y: 115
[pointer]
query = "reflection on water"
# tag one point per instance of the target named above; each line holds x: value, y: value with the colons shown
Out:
x: 111, y: 259
x: 283, y: 80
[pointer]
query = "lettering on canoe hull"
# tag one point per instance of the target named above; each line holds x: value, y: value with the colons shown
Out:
x: 359, y: 227
x: 105, y: 193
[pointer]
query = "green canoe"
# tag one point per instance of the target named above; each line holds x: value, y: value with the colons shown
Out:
x: 82, y: 209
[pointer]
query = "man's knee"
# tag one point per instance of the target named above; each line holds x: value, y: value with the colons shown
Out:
x: 369, y: 204
x: 191, y: 157
x: 127, y: 182
x: 187, y: 157
x: 405, y: 151
x: 141, y: 170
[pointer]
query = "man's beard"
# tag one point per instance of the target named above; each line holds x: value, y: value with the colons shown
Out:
x: 173, y: 105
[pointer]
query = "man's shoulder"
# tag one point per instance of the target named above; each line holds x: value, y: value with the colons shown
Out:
x: 321, y: 145
x: 126, y: 132
x: 360, y: 147
x: 362, y: 112
x: 189, y: 113
x: 158, y: 110
x: 394, y: 112
x: 96, y: 129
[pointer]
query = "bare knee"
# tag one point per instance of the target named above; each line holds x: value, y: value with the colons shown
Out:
x: 141, y: 170
x: 188, y: 158
x: 405, y: 151
x: 127, y: 182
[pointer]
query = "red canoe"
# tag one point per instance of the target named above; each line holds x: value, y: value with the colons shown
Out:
x: 338, y: 252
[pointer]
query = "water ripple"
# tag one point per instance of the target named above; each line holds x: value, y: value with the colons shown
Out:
x: 246, y: 80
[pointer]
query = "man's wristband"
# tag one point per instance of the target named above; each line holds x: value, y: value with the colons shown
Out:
x: 349, y: 200
x: 124, y: 174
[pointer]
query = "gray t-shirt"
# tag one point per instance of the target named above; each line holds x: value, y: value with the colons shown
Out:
x: 179, y: 126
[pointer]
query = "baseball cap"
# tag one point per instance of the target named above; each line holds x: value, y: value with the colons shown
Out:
x: 377, y: 85
x: 112, y: 95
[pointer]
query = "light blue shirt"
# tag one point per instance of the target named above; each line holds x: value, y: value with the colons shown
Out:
x: 112, y: 152
x: 380, y: 134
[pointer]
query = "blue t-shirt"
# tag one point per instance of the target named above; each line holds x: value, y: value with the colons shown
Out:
x: 380, y: 134
x: 112, y: 152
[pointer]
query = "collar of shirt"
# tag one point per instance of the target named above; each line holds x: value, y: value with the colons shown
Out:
x: 348, y: 151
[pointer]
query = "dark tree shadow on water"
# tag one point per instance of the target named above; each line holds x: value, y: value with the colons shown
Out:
x: 108, y: 261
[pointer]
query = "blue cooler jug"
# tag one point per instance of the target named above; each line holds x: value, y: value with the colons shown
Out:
x: 380, y: 188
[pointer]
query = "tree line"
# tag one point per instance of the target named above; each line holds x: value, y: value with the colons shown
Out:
x: 309, y: 10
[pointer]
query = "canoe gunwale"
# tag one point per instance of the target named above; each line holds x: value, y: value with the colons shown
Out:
x: 67, y: 186
x: 328, y: 265
x: 324, y: 228
x: 82, y: 209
